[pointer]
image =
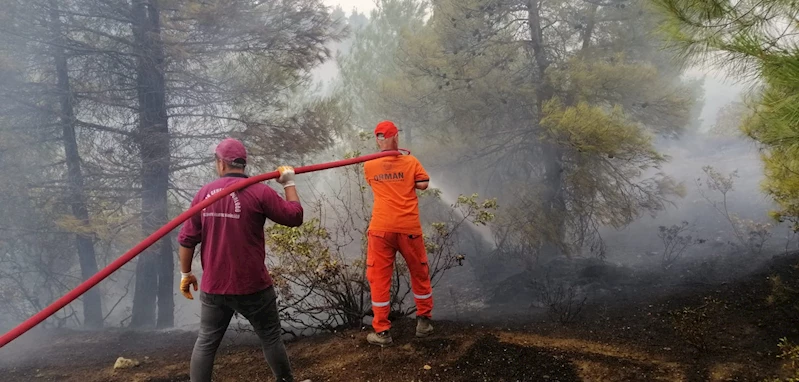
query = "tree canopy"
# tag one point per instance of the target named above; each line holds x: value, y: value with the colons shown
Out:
x: 128, y: 97
x: 754, y: 42
x: 556, y: 104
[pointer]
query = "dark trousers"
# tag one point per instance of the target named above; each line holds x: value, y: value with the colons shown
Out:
x: 260, y: 309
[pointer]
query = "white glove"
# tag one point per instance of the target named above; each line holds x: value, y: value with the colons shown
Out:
x: 286, y: 176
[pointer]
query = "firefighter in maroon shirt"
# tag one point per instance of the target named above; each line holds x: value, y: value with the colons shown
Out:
x: 235, y: 278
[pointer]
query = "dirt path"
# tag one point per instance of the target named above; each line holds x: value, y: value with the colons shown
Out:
x: 457, y: 353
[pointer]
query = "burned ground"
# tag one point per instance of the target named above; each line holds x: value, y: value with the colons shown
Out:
x: 725, y: 331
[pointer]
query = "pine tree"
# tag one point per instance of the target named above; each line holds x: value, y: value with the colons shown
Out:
x: 557, y: 102
x: 754, y: 42
x: 141, y: 89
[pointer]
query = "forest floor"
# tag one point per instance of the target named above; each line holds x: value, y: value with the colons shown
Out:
x: 707, y: 332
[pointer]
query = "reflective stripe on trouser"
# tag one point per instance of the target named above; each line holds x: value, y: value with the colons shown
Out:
x: 380, y: 254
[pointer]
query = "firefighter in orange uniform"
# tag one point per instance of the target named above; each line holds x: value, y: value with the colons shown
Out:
x: 395, y: 227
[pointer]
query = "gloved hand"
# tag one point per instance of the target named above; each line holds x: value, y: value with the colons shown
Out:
x: 187, y: 280
x: 286, y: 176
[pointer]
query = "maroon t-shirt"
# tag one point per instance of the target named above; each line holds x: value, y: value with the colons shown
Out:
x: 231, y: 231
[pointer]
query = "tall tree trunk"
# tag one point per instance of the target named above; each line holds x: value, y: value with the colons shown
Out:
x: 588, y: 30
x: 553, y: 205
x: 155, y: 269
x: 588, y: 33
x: 92, y: 305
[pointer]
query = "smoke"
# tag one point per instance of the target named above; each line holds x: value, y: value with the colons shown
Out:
x: 449, y: 196
x: 487, y: 282
x: 723, y: 236
x: 24, y: 347
x: 489, y: 279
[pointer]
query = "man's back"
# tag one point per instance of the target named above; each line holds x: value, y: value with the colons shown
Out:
x: 393, y: 182
x: 235, y: 278
x: 232, y: 235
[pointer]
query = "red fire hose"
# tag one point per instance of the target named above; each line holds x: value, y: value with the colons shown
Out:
x: 155, y: 236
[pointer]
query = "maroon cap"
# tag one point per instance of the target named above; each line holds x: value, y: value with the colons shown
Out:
x: 232, y: 150
x: 387, y: 129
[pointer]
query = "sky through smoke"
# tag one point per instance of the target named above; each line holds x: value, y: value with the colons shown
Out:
x: 348, y: 5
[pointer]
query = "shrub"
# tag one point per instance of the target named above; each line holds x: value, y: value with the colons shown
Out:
x: 695, y: 324
x: 750, y: 235
x: 675, y: 243
x: 784, y: 294
x: 789, y: 353
x: 564, y: 303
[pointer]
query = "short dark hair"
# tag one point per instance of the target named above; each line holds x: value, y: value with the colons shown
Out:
x: 236, y: 163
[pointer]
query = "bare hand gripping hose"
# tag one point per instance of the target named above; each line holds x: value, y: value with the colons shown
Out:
x: 157, y: 235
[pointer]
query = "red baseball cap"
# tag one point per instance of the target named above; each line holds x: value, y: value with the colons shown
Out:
x: 387, y: 129
x: 232, y: 150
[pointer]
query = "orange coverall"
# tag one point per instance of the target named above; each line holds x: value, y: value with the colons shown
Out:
x: 395, y: 226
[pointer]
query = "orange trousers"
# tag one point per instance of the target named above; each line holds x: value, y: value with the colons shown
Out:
x: 381, y: 250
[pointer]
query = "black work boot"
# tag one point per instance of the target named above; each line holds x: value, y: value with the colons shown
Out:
x: 423, y: 327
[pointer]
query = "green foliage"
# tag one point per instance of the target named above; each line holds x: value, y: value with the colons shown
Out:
x: 480, y: 213
x: 783, y: 298
x: 201, y: 70
x: 565, y: 126
x: 789, y: 353
x: 370, y: 65
x: 313, y: 278
x: 648, y: 96
x: 729, y: 120
x: 593, y: 130
x: 605, y: 149
x: 783, y: 293
x: 753, y: 40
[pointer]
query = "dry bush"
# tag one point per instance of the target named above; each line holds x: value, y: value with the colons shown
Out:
x: 749, y: 235
x: 789, y: 353
x: 675, y: 242
x: 783, y: 295
x: 695, y: 325
x: 564, y: 303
